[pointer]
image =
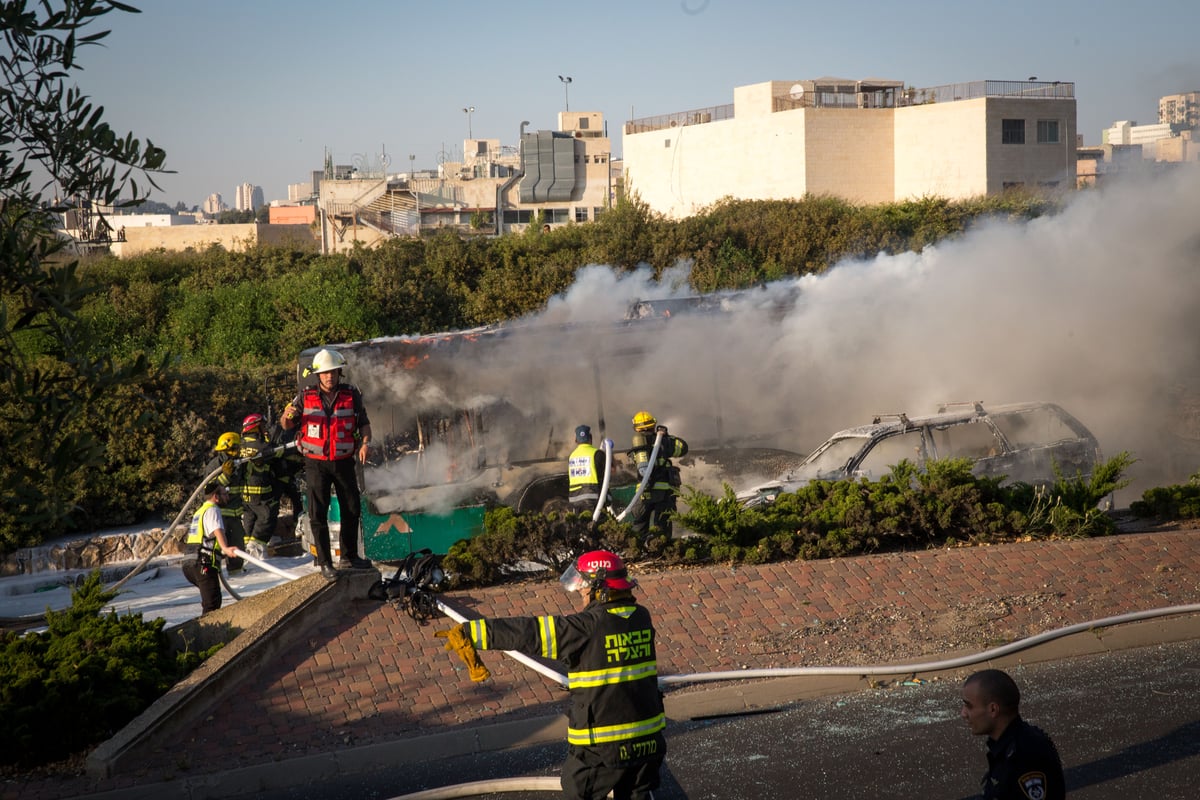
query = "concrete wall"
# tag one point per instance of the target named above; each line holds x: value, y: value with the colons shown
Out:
x: 201, y: 237
x: 865, y: 155
x: 292, y: 215
x: 941, y: 150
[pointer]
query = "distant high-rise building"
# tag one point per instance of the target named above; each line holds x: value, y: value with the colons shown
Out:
x: 214, y: 205
x: 1180, y: 110
x: 299, y: 191
x: 249, y: 197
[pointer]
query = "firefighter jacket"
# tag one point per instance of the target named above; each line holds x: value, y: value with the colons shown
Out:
x: 329, y: 432
x: 664, y: 474
x: 199, y: 533
x: 235, y: 481
x: 608, y: 649
x: 260, y: 471
x: 585, y: 471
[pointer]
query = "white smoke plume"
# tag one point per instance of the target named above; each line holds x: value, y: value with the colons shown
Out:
x: 1095, y: 308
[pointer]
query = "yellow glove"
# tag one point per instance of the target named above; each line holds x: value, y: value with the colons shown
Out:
x: 458, y: 642
x: 227, y: 468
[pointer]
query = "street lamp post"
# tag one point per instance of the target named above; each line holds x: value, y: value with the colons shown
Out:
x: 566, y: 95
x: 468, y: 111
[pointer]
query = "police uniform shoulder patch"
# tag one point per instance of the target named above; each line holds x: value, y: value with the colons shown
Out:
x: 1033, y: 785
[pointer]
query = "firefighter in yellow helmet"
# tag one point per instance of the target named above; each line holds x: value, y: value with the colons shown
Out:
x: 233, y: 477
x: 658, y: 503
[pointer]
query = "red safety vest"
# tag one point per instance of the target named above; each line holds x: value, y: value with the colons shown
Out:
x: 325, y: 437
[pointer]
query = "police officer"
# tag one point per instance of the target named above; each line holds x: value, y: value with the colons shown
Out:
x: 658, y: 503
x: 1023, y: 763
x: 615, y: 726
x: 585, y: 470
x: 233, y: 477
x: 261, y: 509
x: 207, y: 535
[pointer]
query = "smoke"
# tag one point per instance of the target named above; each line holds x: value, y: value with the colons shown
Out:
x: 1095, y: 309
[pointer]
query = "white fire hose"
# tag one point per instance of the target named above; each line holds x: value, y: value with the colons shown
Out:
x: 645, y: 478
x: 600, y: 501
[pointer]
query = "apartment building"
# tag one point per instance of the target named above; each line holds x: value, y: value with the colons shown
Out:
x: 1180, y: 110
x: 868, y: 141
x: 552, y: 178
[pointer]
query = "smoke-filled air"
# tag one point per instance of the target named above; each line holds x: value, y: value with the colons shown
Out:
x: 1094, y: 308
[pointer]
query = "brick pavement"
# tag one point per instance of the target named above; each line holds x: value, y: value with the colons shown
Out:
x: 375, y: 676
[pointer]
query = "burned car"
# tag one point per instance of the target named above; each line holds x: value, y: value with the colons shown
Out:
x: 1018, y: 442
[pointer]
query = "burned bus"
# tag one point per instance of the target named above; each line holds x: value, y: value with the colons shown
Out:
x: 467, y: 420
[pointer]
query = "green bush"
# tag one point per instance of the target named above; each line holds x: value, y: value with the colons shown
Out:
x: 83, y: 679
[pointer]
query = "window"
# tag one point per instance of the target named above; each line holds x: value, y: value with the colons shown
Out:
x: 666, y: 142
x: 1047, y: 131
x: 580, y: 214
x: 1012, y: 131
x: 583, y: 123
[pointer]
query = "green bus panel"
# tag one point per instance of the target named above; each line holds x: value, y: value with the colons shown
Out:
x: 391, y: 537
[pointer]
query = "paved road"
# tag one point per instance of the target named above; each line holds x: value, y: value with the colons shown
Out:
x: 1126, y: 723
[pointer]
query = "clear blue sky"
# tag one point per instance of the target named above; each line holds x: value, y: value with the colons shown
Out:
x: 256, y: 90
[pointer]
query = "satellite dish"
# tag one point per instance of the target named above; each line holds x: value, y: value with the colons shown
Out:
x: 796, y: 92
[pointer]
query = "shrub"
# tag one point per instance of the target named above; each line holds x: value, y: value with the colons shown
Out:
x: 84, y: 678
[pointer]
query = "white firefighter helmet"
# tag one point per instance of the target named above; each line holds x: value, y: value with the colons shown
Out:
x: 326, y: 360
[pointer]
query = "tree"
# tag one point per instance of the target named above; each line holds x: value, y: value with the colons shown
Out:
x: 50, y: 366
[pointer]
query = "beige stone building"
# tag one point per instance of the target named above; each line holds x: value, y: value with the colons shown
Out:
x: 868, y: 141
x: 553, y: 178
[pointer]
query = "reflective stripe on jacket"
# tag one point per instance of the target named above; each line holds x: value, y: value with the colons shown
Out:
x: 328, y: 437
x: 210, y: 548
x: 583, y: 475
x: 608, y: 649
x: 671, y: 447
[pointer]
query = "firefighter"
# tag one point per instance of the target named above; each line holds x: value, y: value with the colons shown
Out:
x: 233, y: 477
x: 615, y: 726
x: 261, y: 509
x: 289, y: 467
x: 208, y: 535
x: 333, y: 432
x: 585, y: 470
x: 657, y: 504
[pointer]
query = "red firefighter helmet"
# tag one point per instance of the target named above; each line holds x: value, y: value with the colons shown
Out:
x: 252, y: 422
x: 597, y: 568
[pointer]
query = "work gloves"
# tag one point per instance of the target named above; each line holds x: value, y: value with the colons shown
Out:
x: 227, y: 468
x: 459, y: 642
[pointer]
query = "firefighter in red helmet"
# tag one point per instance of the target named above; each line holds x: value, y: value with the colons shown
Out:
x: 615, y: 726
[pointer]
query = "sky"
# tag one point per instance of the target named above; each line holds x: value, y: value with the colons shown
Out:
x: 259, y: 91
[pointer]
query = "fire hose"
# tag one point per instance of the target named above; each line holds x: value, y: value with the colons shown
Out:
x: 645, y: 478
x: 186, y: 506
x: 600, y: 501
x: 544, y: 784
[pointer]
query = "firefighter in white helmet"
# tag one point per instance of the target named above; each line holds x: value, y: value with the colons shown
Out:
x: 333, y: 435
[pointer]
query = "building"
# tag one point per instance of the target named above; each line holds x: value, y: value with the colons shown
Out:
x: 868, y: 141
x: 552, y: 178
x: 214, y: 205
x: 1164, y: 141
x: 1180, y: 110
x: 248, y: 198
x: 299, y: 191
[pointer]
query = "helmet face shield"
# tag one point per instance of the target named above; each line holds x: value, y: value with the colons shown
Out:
x: 573, y: 580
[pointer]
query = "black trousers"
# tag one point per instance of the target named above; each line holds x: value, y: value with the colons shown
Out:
x: 586, y: 777
x: 654, y: 510
x: 260, y: 517
x: 340, y: 475
x: 235, y: 534
x: 207, y: 580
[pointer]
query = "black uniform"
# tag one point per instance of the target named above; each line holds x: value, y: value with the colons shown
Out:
x: 261, y: 512
x: 615, y: 726
x: 1023, y: 764
x: 231, y: 511
x: 658, y: 503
